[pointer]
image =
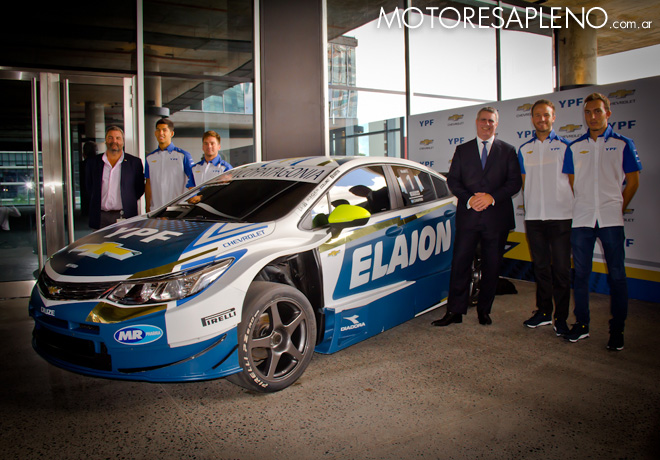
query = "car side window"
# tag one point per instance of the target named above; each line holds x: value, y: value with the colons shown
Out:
x: 441, y: 188
x: 416, y: 186
x: 364, y: 187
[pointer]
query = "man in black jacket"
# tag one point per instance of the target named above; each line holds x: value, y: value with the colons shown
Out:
x: 484, y: 175
x: 115, y: 182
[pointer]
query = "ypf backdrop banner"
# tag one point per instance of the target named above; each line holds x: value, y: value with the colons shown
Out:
x: 433, y: 138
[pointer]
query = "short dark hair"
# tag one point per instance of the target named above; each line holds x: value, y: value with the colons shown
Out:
x: 490, y: 110
x: 115, y: 128
x: 211, y: 134
x: 598, y: 97
x: 543, y: 102
x: 165, y: 121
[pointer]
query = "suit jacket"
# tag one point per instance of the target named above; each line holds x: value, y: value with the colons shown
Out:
x: 500, y: 178
x: 131, y: 185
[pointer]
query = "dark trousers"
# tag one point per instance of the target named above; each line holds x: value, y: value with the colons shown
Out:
x: 109, y: 218
x: 492, y: 250
x: 550, y: 248
x: 583, y: 240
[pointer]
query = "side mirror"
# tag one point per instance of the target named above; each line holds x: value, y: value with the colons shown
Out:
x: 347, y: 215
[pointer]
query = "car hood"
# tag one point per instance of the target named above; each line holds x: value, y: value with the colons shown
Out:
x: 144, y: 247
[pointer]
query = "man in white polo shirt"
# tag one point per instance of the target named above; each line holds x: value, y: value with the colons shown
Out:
x: 603, y: 169
x: 548, y: 210
x: 212, y: 163
x: 168, y: 169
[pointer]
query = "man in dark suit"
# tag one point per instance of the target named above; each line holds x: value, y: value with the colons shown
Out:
x: 115, y: 182
x: 484, y: 175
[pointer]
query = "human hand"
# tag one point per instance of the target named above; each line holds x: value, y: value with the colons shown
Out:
x: 481, y: 201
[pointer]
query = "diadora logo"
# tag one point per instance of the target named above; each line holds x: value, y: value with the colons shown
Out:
x: 426, y: 142
x: 138, y: 335
x: 424, y: 123
x: 621, y: 93
x: 570, y: 128
x: 455, y: 117
x: 524, y: 108
x: 368, y: 260
x: 355, y: 323
x: 114, y: 250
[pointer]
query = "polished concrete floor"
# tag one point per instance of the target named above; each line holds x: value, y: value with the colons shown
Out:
x: 463, y: 392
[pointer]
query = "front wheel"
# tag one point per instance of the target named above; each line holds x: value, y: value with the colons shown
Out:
x: 276, y: 337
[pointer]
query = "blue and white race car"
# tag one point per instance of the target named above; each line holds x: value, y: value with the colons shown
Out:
x: 248, y: 274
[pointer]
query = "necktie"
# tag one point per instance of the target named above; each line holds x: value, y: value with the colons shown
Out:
x: 484, y: 155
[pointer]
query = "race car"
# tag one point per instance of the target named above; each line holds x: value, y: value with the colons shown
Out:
x: 248, y: 274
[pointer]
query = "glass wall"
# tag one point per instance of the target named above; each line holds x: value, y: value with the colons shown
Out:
x: 452, y: 63
x: 367, y: 80
x: 199, y: 73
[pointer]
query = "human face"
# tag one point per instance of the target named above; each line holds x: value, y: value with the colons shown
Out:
x: 596, y: 115
x: 543, y: 117
x: 114, y: 142
x: 486, y: 125
x: 164, y: 136
x: 211, y: 147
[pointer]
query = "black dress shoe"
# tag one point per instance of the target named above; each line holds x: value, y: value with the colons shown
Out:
x: 448, y: 319
x: 484, y: 319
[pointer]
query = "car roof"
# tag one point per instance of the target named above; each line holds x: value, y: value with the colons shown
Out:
x: 333, y: 162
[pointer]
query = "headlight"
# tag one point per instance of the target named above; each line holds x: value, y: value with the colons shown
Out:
x: 171, y: 287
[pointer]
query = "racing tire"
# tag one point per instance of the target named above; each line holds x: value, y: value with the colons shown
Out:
x: 276, y: 337
x: 475, y: 279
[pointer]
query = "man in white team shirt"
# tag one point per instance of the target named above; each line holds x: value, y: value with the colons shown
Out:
x: 598, y: 165
x: 168, y: 169
x: 212, y: 163
x: 548, y: 211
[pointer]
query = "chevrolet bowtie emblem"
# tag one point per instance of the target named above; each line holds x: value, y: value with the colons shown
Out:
x: 54, y: 290
x: 114, y: 250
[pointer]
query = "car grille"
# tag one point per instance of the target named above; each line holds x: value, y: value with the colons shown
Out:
x: 79, y: 352
x: 56, y: 290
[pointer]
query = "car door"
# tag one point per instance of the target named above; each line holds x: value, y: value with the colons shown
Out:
x: 427, y: 212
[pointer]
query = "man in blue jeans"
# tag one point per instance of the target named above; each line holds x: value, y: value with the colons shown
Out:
x: 598, y: 164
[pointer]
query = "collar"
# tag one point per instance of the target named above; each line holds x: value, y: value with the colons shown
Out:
x: 490, y: 141
x: 169, y: 148
x: 105, y: 160
x: 552, y: 136
x: 214, y: 161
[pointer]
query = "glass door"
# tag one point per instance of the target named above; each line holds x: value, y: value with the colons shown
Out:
x: 53, y: 121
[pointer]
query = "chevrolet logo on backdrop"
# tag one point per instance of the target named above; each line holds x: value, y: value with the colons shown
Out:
x: 455, y: 117
x: 620, y: 94
x: 570, y: 128
x: 426, y: 142
x: 524, y: 108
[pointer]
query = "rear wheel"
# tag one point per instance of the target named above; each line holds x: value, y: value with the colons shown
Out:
x: 276, y: 337
x: 475, y: 278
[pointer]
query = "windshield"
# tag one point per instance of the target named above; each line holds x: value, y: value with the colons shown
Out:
x: 254, y: 200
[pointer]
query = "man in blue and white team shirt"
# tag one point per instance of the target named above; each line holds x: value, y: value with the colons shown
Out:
x: 212, y: 163
x: 548, y: 210
x: 603, y: 169
x: 168, y: 169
